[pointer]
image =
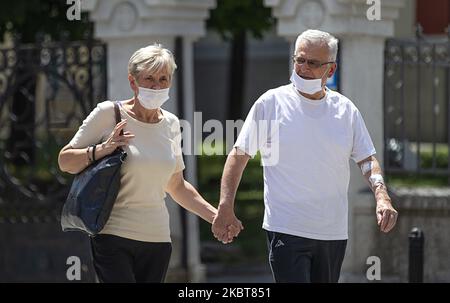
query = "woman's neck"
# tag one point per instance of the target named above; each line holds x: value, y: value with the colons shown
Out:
x: 142, y: 114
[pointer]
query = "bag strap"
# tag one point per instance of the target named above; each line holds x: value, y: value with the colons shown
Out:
x: 118, y: 119
x: 117, y: 112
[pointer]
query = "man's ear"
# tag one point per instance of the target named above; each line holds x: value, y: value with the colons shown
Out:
x: 332, y: 70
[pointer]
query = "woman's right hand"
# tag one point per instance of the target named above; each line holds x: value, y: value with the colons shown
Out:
x: 116, y: 140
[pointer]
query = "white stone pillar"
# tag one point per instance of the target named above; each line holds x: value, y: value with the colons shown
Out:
x: 197, y: 271
x: 361, y: 47
x: 126, y: 26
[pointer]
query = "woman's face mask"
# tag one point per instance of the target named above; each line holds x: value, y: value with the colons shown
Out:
x: 152, y: 98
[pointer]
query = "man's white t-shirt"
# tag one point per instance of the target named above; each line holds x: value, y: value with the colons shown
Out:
x: 305, y: 148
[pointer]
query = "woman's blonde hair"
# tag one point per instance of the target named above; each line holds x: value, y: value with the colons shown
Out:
x: 152, y: 58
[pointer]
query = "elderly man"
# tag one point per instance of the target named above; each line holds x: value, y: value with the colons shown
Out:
x: 317, y: 131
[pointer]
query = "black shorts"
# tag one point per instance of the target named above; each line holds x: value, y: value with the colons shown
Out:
x: 296, y: 259
x: 122, y: 260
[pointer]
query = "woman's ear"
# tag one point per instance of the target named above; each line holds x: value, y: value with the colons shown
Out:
x: 133, y: 83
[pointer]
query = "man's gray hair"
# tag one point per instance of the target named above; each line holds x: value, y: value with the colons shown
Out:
x: 319, y: 38
x: 152, y: 58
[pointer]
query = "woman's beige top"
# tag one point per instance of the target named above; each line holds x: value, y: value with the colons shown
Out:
x: 154, y: 155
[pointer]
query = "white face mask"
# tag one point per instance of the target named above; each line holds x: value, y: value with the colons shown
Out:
x: 152, y: 98
x: 306, y: 86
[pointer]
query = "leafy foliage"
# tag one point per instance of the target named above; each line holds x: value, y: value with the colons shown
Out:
x: 232, y: 17
x: 29, y: 17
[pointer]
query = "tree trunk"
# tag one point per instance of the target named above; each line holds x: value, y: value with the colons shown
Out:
x: 237, y: 76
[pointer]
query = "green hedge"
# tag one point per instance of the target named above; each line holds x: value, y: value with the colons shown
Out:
x: 249, y: 205
x: 426, y: 162
x: 426, y: 158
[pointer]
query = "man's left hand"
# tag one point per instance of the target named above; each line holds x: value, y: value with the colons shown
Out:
x: 386, y: 215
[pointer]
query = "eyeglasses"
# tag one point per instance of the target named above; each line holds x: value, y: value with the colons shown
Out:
x: 313, y: 64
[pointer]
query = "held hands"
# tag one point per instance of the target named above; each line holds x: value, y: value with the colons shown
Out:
x: 225, y: 225
x: 115, y: 139
x: 386, y: 215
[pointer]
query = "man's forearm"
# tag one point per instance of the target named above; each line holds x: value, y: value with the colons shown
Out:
x: 385, y: 213
x: 371, y: 169
x: 380, y: 192
x: 231, y: 177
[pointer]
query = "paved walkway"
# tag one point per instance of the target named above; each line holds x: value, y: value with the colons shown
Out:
x: 244, y: 273
x: 260, y: 273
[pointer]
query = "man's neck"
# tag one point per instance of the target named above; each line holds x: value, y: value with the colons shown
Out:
x: 317, y: 96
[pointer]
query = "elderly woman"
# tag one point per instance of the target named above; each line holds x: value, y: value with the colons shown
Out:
x: 135, y: 244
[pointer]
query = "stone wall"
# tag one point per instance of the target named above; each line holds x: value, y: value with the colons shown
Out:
x: 38, y: 252
x: 425, y: 208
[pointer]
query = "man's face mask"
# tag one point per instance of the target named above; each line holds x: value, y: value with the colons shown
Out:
x: 307, y: 86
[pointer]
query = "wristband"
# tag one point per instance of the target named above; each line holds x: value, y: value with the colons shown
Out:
x: 93, y: 152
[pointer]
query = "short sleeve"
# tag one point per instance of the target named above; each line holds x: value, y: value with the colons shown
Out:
x: 98, y: 124
x: 252, y: 137
x: 362, y: 143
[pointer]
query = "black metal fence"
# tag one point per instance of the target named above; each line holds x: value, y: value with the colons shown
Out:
x: 417, y: 105
x: 46, y: 90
